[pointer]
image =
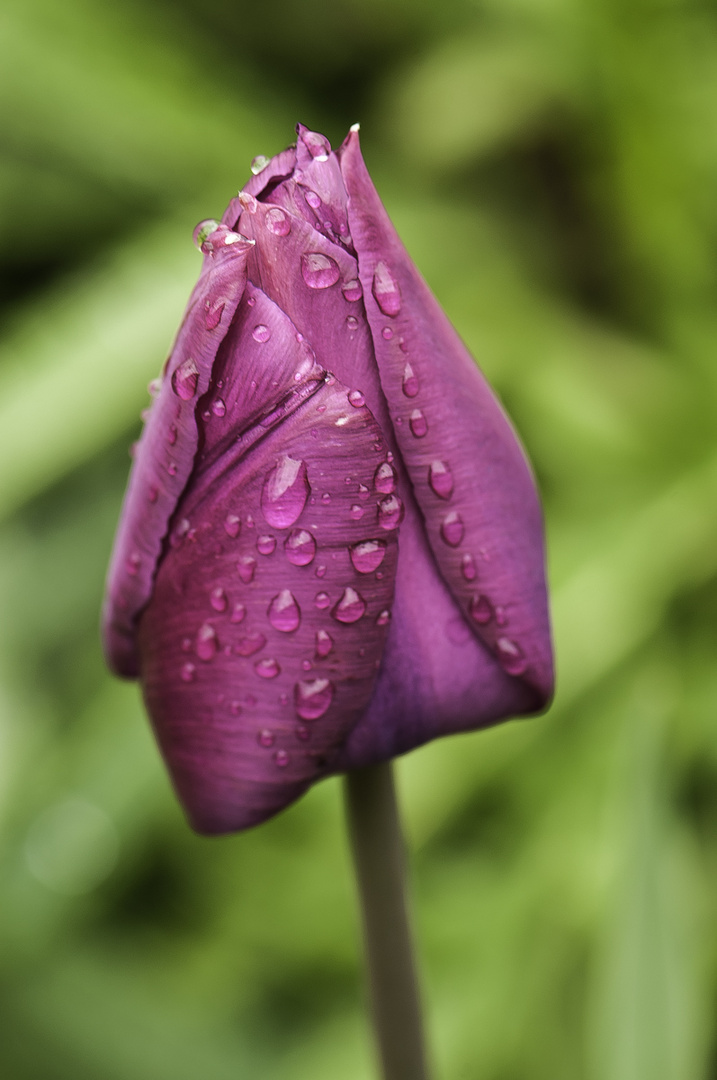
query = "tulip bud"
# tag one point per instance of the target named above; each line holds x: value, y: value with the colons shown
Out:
x: 331, y: 547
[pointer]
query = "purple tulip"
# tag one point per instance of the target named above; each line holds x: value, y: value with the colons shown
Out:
x: 331, y: 548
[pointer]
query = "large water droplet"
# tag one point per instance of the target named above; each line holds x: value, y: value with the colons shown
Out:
x: 266, y: 738
x: 317, y: 145
x: 313, y: 200
x: 410, y: 382
x: 350, y: 607
x: 352, y: 290
x: 418, y: 424
x: 385, y: 478
x: 319, y: 271
x: 277, y: 221
x: 322, y: 600
x: 284, y: 613
x: 261, y: 333
x: 250, y: 644
x: 385, y: 290
x: 285, y: 492
x: 390, y: 512
x: 300, y: 547
x: 356, y: 399
x: 312, y: 697
x: 481, y: 609
x: 246, y: 568
x: 232, y: 525
x: 452, y: 529
x: 266, y: 545
x: 324, y: 644
x: 367, y: 556
x: 188, y: 672
x: 218, y: 599
x: 206, y: 645
x: 468, y: 567
x: 440, y: 478
x: 267, y: 668
x: 511, y: 656
x: 259, y: 163
x: 184, y: 379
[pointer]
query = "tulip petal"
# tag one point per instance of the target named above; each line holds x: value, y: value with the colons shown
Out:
x: 261, y: 646
x: 469, y: 474
x: 165, y: 453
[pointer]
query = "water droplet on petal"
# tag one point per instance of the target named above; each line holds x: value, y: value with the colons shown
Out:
x: 481, y: 609
x: 350, y: 607
x: 440, y: 478
x: 385, y: 290
x: 178, y: 533
x: 367, y: 556
x: 320, y: 571
x: 218, y: 407
x: 206, y: 644
x: 250, y: 644
x: 184, y: 379
x: 188, y: 673
x: 300, y: 547
x: 387, y: 333
x: 312, y: 697
x: 153, y: 494
x: 302, y: 732
x: 418, y: 424
x: 265, y: 545
x: 259, y: 163
x: 319, y: 271
x: 284, y: 613
x: 266, y: 738
x: 133, y: 563
x: 232, y: 525
x: 172, y: 469
x: 410, y: 382
x: 326, y: 498
x: 383, y: 617
x: 277, y: 222
x: 352, y: 291
x: 452, y: 529
x: 317, y: 145
x: 313, y: 200
x: 390, y: 512
x: 213, y: 313
x: 267, y: 668
x: 238, y: 613
x: 282, y: 758
x: 218, y: 599
x: 322, y: 600
x: 172, y: 434
x: 246, y: 568
x: 351, y: 322
x: 363, y: 491
x: 356, y: 399
x: 285, y: 492
x: 261, y: 333
x: 324, y: 644
x: 306, y: 665
x: 511, y: 656
x: 468, y: 567
x: 356, y: 512
x: 385, y: 478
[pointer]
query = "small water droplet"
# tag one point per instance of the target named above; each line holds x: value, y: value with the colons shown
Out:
x: 184, y: 379
x: 232, y: 525
x: 410, y: 382
x: 172, y: 434
x: 326, y: 498
x: 350, y: 607
x: 322, y: 600
x: 266, y: 738
x: 387, y: 333
x: 320, y: 571
x: 500, y: 616
x: 277, y: 221
x: 440, y: 478
x: 179, y: 532
x: 285, y: 492
x: 238, y: 613
x: 282, y: 758
x: 306, y: 665
x: 153, y: 494
x: 218, y: 599
x: 351, y: 322
x: 313, y: 200
x: 356, y: 399
x: 385, y: 290
x: 246, y: 568
x: 300, y: 547
x: 186, y: 644
x: 133, y: 563
x: 390, y: 512
x: 324, y: 644
x: 259, y: 163
x: 385, y: 478
x: 452, y: 529
x: 266, y: 545
x: 252, y: 299
x: 368, y: 555
x: 319, y: 271
x: 418, y: 424
x: 284, y: 613
x: 312, y: 697
x: 218, y: 407
x: 383, y: 617
x: 206, y: 645
x: 481, y: 610
x: 267, y: 668
x: 261, y: 333
x: 468, y: 567
x: 352, y: 291
x: 356, y: 512
x: 363, y: 491
x: 188, y: 672
x: 302, y: 732
x: 213, y: 313
x: 235, y: 708
x: 250, y: 644
x: 172, y: 469
x: 511, y: 656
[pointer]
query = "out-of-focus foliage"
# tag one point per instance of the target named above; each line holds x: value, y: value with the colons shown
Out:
x: 553, y: 167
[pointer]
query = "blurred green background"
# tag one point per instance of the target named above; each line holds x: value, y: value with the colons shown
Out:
x: 552, y: 165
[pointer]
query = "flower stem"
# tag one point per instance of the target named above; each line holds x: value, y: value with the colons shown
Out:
x: 378, y: 852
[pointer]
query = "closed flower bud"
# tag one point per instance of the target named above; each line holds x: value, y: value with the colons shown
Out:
x: 331, y: 547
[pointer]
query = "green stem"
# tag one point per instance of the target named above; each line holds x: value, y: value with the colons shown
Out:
x: 378, y: 853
